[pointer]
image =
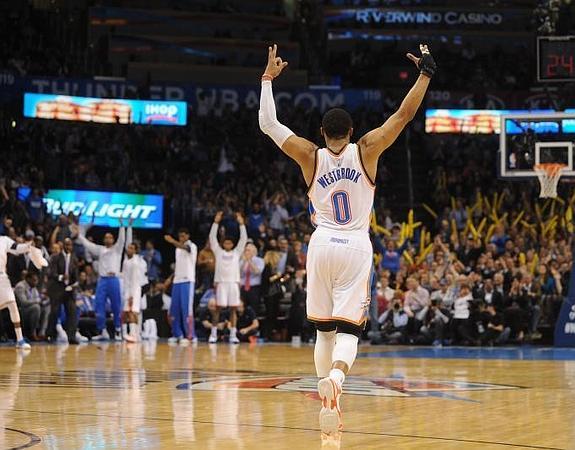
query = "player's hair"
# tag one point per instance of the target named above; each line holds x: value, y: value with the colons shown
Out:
x: 336, y: 123
x: 228, y: 238
x: 183, y: 230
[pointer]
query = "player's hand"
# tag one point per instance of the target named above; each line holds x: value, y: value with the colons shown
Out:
x: 121, y: 221
x: 218, y: 217
x: 275, y: 64
x: 426, y: 64
x: 168, y: 238
x: 240, y: 218
x: 130, y: 221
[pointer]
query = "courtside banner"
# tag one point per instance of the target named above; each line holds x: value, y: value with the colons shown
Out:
x: 104, y: 110
x: 106, y: 208
x: 486, y: 121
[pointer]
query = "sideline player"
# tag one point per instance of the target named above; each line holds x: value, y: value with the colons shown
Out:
x: 109, y: 265
x: 134, y: 277
x: 182, y: 306
x: 7, y: 299
x: 341, y: 183
x: 227, y: 276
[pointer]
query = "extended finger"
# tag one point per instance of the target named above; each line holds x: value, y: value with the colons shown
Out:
x: 274, y: 50
x: 413, y: 58
x: 283, y: 64
x: 270, y: 53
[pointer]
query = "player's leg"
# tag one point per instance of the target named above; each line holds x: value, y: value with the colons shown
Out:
x: 175, y: 313
x: 319, y: 306
x: 190, y: 315
x: 221, y: 293
x: 184, y: 310
x: 233, y: 303
x: 100, y: 310
x: 323, y: 350
x: 115, y: 295
x: 351, y: 294
x: 133, y: 316
x: 15, y: 319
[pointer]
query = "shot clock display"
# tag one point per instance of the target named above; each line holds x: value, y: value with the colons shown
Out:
x: 556, y: 58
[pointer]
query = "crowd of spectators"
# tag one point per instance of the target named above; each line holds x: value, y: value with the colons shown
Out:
x: 456, y: 281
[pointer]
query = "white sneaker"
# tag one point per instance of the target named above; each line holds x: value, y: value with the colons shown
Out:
x: 61, y: 334
x: 173, y: 340
x: 234, y: 340
x: 195, y: 340
x: 22, y: 344
x: 103, y: 336
x: 213, y: 339
x: 330, y: 418
x: 118, y: 335
x: 81, y: 338
x: 184, y: 342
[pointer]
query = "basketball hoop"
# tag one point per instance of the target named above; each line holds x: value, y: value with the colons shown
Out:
x: 549, y: 174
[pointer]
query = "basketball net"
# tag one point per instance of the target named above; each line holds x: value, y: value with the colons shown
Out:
x: 549, y: 174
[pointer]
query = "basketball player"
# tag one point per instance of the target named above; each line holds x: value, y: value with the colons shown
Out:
x: 134, y: 277
x: 7, y: 299
x: 227, y: 276
x: 182, y: 306
x: 109, y: 266
x: 340, y: 180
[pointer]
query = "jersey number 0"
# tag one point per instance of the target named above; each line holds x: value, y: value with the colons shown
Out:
x: 341, y: 207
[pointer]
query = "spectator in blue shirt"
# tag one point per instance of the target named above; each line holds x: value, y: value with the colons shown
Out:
x: 255, y: 219
x: 391, y: 258
x: 153, y: 260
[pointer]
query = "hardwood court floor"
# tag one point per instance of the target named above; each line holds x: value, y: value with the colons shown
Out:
x: 117, y: 396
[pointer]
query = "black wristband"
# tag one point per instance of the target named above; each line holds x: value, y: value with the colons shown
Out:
x: 427, y: 65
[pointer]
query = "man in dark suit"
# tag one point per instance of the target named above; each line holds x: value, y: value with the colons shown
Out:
x: 62, y: 278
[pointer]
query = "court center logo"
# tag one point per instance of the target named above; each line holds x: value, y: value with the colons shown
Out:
x: 373, y: 387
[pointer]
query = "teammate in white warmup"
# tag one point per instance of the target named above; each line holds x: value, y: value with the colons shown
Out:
x: 340, y: 180
x: 7, y: 299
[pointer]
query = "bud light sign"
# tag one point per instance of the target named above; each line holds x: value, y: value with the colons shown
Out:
x: 107, y: 208
x: 104, y: 110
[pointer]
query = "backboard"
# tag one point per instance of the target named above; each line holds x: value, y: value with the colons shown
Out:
x: 527, y: 140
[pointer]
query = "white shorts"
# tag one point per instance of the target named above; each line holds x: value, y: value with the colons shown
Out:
x: 339, y: 267
x: 136, y: 301
x: 6, y: 291
x: 227, y: 294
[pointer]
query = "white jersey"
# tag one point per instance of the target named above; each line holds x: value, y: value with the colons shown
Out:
x: 134, y: 276
x: 5, y: 246
x: 341, y: 194
x: 227, y: 262
x: 186, y: 264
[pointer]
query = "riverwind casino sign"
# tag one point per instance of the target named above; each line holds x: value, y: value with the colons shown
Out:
x: 432, y: 18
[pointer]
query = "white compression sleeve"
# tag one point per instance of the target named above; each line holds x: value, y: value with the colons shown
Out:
x: 324, y: 342
x: 269, y: 123
x: 345, y: 348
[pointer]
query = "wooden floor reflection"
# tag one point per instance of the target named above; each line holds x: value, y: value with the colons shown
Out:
x: 156, y: 396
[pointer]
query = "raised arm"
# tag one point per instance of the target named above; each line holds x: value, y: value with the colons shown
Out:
x: 121, y: 241
x: 170, y: 240
x: 299, y: 149
x: 243, y: 234
x: 18, y: 249
x: 214, y: 244
x: 374, y: 143
x: 129, y: 234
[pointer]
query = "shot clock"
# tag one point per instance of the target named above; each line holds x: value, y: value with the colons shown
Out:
x: 556, y: 58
